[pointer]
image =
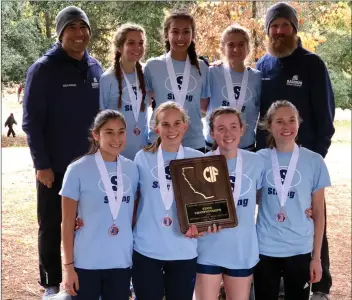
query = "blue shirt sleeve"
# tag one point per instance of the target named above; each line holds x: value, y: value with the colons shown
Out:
x: 261, y: 171
x: 104, y: 92
x: 148, y: 78
x: 71, y: 183
x: 321, y: 177
x: 34, y: 114
x: 206, y: 85
x: 258, y: 87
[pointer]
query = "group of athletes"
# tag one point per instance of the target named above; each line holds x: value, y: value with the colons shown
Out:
x: 121, y: 189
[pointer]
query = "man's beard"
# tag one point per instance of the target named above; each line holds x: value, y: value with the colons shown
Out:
x: 281, y: 45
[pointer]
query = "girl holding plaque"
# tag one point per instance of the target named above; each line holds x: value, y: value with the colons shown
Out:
x: 234, y: 84
x: 101, y: 188
x: 231, y: 254
x: 122, y: 86
x: 164, y: 259
x: 179, y: 76
x: 295, y: 178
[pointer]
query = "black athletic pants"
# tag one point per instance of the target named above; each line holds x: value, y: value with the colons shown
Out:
x: 49, y: 234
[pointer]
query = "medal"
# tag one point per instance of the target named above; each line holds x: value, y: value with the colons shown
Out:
x: 113, y: 230
x: 136, y: 131
x: 114, y: 203
x: 282, y: 186
x: 136, y: 100
x: 238, y: 175
x: 167, y: 221
x: 280, y: 217
x: 237, y: 104
x: 180, y: 95
x: 167, y: 195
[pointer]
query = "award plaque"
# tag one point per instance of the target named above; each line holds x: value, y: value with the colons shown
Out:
x: 203, y: 192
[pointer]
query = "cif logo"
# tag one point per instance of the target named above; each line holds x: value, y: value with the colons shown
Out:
x: 236, y: 92
x: 192, y: 84
x: 210, y: 174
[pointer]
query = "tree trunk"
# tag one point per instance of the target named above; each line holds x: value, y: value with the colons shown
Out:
x: 47, y: 24
x: 254, y: 32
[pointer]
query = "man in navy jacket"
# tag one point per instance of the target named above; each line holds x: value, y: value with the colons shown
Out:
x: 60, y: 103
x: 290, y: 72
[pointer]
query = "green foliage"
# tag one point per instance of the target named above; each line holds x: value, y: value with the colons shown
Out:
x: 28, y: 30
x: 22, y: 42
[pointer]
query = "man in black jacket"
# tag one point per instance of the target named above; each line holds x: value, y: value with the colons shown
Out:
x: 60, y: 102
x: 290, y: 72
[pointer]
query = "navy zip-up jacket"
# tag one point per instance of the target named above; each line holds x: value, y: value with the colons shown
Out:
x: 301, y: 78
x: 60, y: 102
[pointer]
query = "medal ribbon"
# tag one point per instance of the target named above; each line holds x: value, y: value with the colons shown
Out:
x: 238, y: 174
x: 136, y: 105
x: 167, y: 195
x: 180, y: 95
x: 114, y: 203
x: 283, y: 188
x: 237, y: 104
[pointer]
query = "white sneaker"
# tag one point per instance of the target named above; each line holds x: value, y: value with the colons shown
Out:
x: 63, y: 295
x: 319, y: 296
x: 50, y: 292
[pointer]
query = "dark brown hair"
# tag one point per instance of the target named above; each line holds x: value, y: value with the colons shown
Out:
x: 165, y: 106
x: 118, y: 42
x: 182, y: 15
x: 266, y: 122
x: 100, y: 120
x: 224, y: 110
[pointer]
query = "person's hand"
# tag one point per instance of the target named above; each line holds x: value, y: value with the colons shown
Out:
x: 46, y: 177
x: 192, y: 232
x: 315, y: 270
x: 217, y: 63
x: 214, y: 229
x: 71, y: 283
x: 79, y: 223
x: 309, y: 213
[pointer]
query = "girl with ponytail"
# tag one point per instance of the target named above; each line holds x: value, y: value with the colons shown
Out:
x: 179, y: 76
x: 122, y: 87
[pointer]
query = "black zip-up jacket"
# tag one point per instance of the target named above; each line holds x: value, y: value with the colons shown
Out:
x: 301, y: 78
x: 60, y: 102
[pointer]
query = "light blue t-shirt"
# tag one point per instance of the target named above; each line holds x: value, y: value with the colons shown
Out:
x: 151, y: 238
x: 251, y: 105
x: 295, y: 235
x: 237, y: 248
x: 109, y: 95
x: 94, y: 248
x: 158, y: 81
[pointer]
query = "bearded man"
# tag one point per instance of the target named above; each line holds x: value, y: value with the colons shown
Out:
x: 290, y: 72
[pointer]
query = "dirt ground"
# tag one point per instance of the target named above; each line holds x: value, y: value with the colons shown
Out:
x: 19, y: 226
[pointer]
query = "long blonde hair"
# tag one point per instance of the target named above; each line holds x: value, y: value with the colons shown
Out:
x: 163, y: 107
x: 266, y: 122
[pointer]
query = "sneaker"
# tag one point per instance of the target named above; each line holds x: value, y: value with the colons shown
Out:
x: 50, y: 292
x: 319, y: 296
x: 62, y: 295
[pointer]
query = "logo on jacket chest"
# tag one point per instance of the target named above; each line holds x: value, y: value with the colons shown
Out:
x: 294, y: 81
x: 95, y: 83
